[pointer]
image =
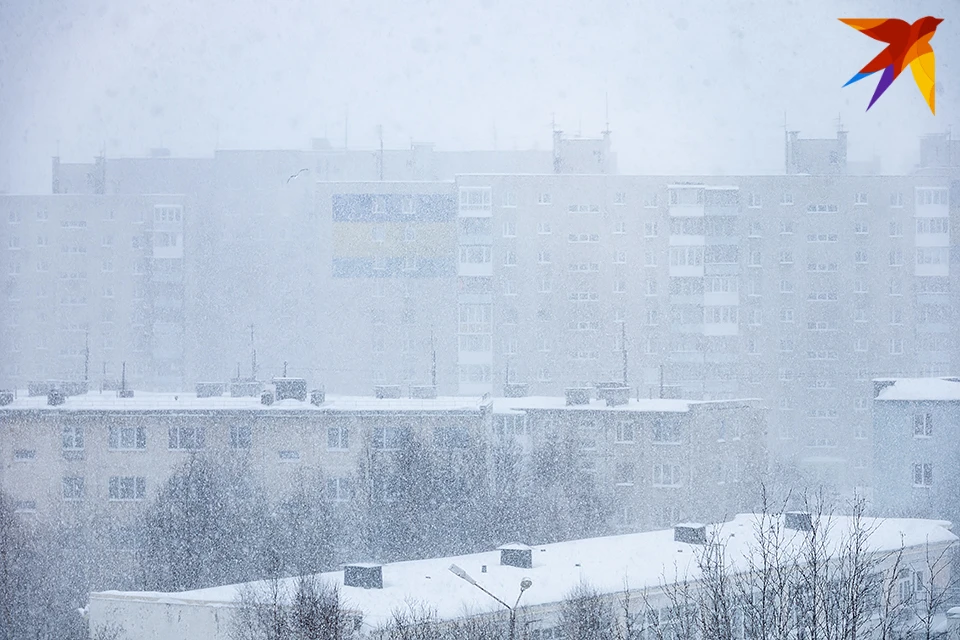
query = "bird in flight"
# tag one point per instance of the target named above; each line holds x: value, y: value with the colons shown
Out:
x: 907, y: 44
x: 296, y: 175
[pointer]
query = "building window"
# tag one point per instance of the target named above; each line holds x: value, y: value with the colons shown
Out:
x: 186, y: 438
x: 786, y: 198
x: 509, y: 258
x: 543, y: 375
x: 625, y: 431
x: 23, y: 455
x: 73, y: 438
x: 862, y: 345
x: 407, y: 207
x: 25, y: 506
x: 786, y: 227
x: 543, y: 228
x: 650, y: 258
x: 72, y: 488
x: 127, y: 438
x: 650, y: 229
x: 289, y: 454
x: 509, y: 229
x: 620, y: 227
x: 923, y: 425
x: 619, y: 257
x: 241, y: 436
x: 786, y: 315
x: 786, y: 257
x: 543, y: 285
x: 388, y: 438
x: 896, y: 229
x: 543, y: 257
x: 543, y: 198
x: 896, y: 258
x: 127, y: 488
x: 619, y: 286
x: 474, y: 198
x: 451, y: 437
x: 923, y: 475
x: 666, y: 475
x: 896, y: 199
x: 860, y: 257
x: 860, y: 198
x: 339, y: 489
x: 409, y: 233
x: 756, y: 229
x: 896, y: 316
x: 754, y: 201
x: 666, y: 431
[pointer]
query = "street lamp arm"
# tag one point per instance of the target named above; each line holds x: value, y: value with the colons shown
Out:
x: 493, y: 596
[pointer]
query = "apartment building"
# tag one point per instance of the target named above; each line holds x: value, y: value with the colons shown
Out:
x: 660, y: 461
x: 98, y: 452
x: 93, y: 282
x: 916, y: 434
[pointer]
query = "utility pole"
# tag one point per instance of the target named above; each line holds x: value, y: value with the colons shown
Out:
x: 433, y: 360
x: 284, y: 368
x: 661, y: 380
x: 86, y: 357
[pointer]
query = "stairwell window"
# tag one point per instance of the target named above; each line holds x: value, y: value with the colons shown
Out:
x: 127, y: 438
x: 923, y: 425
x: 73, y: 437
x: 186, y: 438
x: 922, y: 474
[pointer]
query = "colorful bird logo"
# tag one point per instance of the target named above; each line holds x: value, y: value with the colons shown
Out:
x: 906, y: 44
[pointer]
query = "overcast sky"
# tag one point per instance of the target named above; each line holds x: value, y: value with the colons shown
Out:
x: 694, y: 86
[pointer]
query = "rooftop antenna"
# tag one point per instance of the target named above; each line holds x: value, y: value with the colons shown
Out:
x: 606, y: 113
x: 433, y: 363
x: 253, y: 350
x: 839, y: 124
x: 86, y: 356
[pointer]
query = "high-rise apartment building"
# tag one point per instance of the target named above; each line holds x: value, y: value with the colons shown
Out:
x: 93, y: 282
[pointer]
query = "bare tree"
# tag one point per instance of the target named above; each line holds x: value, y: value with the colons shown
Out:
x: 586, y: 615
x: 302, y: 609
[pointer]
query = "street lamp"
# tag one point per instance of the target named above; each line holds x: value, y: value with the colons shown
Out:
x: 525, y: 584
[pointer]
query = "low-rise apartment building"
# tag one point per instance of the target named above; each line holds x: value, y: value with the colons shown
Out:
x: 650, y: 582
x: 916, y: 436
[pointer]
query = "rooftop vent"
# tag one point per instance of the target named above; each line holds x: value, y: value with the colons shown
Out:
x: 577, y: 395
x: 55, y: 397
x: 515, y: 390
x: 125, y: 393
x: 798, y: 520
x: 690, y: 532
x: 266, y: 398
x: 615, y: 393
x: 423, y: 392
x: 210, y: 389
x: 516, y: 555
x: 295, y: 388
x: 318, y: 397
x: 387, y: 391
x: 6, y: 397
x: 363, y: 575
x: 245, y: 388
x: 66, y: 387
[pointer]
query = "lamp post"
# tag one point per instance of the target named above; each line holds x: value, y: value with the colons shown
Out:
x: 525, y: 584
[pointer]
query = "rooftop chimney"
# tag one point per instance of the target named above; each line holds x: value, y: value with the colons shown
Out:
x: 291, y: 388
x: 210, y: 389
x: 798, y: 520
x: 515, y: 390
x: 615, y: 393
x: 318, y: 397
x: 363, y: 575
x: 423, y: 392
x: 577, y: 395
x: 690, y: 532
x: 55, y: 397
x: 266, y: 398
x: 6, y: 397
x: 387, y: 391
x: 516, y: 555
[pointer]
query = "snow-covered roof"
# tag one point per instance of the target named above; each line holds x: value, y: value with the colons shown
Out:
x: 643, y: 560
x: 920, y: 389
x: 188, y: 401
x: 512, y: 405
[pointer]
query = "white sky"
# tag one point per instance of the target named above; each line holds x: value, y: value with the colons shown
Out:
x: 695, y: 86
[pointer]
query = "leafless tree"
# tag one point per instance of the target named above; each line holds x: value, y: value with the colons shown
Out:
x: 302, y: 609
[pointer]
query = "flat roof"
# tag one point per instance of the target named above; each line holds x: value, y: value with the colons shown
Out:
x: 641, y: 560
x: 920, y: 389
x: 559, y: 403
x: 147, y: 401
